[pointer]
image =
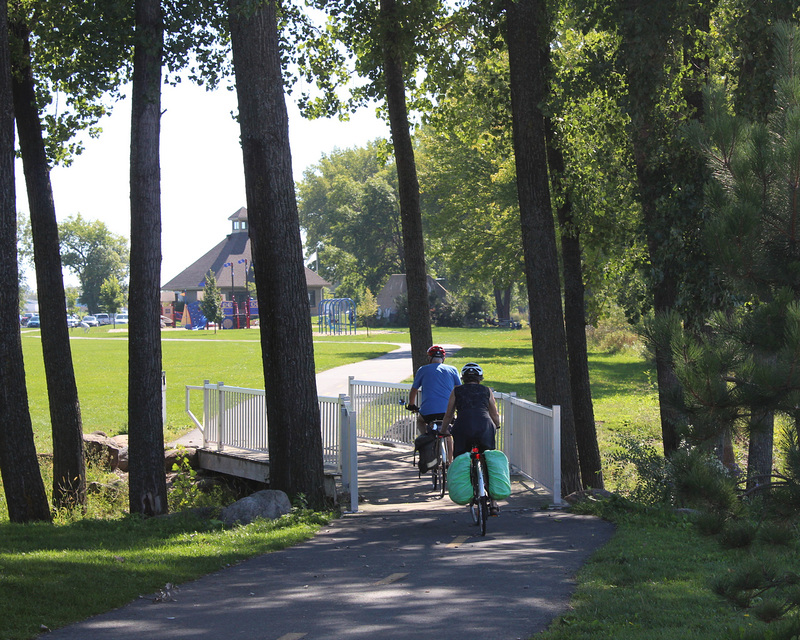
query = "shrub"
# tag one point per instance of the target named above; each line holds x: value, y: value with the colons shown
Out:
x: 737, y: 534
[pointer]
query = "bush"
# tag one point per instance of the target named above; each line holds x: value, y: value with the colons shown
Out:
x: 701, y: 481
x: 737, y: 534
x: 613, y: 334
x: 638, y: 470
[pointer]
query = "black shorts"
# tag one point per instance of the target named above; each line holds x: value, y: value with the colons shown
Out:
x: 463, y: 442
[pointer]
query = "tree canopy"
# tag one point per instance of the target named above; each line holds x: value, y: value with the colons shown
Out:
x: 93, y: 253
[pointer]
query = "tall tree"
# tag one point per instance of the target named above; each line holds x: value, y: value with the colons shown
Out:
x: 575, y: 320
x: 527, y: 36
x: 93, y: 253
x: 348, y: 207
x: 148, y: 487
x: 69, y: 472
x: 295, y: 440
x: 467, y: 170
x: 744, y: 367
x: 22, y: 480
x: 393, y: 42
x: 389, y: 40
x: 663, y: 74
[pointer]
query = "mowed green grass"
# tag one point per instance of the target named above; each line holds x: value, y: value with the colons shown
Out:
x: 100, y: 360
x: 623, y: 391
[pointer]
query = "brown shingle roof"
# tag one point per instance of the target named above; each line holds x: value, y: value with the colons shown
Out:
x: 233, y: 248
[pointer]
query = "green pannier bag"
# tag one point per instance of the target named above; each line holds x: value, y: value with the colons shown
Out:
x: 499, y: 474
x: 459, y: 486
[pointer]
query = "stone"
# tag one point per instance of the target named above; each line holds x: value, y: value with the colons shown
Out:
x: 587, y: 494
x: 173, y: 457
x: 268, y: 504
x: 122, y: 462
x: 100, y: 447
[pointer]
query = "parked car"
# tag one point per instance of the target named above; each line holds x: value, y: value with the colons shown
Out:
x: 73, y: 321
x: 25, y: 317
x: 91, y: 321
x: 33, y: 322
x: 121, y: 318
x: 102, y: 318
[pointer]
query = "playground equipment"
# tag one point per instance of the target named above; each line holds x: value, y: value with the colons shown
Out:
x: 337, y: 316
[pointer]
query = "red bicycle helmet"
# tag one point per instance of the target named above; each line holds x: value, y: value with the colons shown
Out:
x: 436, y: 352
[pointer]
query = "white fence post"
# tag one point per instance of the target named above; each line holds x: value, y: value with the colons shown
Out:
x: 206, y: 409
x: 557, y: 454
x: 163, y: 398
x: 220, y: 415
x: 348, y: 451
x: 508, y: 424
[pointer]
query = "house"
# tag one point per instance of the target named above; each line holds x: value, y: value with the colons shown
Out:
x: 396, y: 287
x: 231, y: 262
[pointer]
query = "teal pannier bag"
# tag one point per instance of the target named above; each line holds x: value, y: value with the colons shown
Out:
x: 499, y: 474
x: 459, y: 486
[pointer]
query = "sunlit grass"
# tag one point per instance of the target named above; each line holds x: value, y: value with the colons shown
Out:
x: 53, y: 575
x: 100, y: 361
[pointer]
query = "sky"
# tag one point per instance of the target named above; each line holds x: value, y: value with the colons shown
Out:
x: 202, y: 177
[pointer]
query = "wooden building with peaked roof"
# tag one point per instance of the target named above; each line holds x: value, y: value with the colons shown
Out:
x: 231, y: 262
x: 396, y: 287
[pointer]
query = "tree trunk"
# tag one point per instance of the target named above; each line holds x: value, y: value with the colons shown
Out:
x: 26, y: 499
x: 502, y: 303
x: 759, y: 452
x: 148, y: 486
x: 527, y: 28
x: 575, y: 321
x: 644, y: 45
x: 419, y: 317
x: 295, y: 439
x: 69, y: 467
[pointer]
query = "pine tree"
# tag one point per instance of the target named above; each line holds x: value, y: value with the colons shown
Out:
x: 211, y: 306
x: 744, y: 369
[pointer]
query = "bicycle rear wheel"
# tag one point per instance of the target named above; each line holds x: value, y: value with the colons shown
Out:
x: 443, y: 478
x: 483, y: 513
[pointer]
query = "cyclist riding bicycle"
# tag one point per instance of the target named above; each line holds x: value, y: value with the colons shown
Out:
x: 475, y: 411
x: 437, y: 380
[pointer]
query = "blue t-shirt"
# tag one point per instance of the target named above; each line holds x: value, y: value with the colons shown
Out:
x: 436, y: 380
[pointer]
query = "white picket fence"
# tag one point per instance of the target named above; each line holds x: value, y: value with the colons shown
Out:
x: 236, y: 418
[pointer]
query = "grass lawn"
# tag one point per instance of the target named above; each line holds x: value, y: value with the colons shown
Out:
x: 188, y: 357
x: 652, y: 581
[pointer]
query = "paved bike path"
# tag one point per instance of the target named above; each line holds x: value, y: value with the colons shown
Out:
x: 408, y: 564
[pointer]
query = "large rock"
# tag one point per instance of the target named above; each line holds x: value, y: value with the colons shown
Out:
x: 174, y: 457
x: 267, y: 504
x: 100, y: 447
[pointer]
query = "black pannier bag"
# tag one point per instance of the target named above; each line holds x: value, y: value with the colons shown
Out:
x: 425, y: 448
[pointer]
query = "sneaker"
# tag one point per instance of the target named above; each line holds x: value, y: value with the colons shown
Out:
x: 494, y: 510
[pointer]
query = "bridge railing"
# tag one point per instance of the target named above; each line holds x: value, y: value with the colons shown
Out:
x: 236, y: 418
x: 530, y: 434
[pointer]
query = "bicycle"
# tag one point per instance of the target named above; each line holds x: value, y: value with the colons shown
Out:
x: 439, y: 469
x: 479, y: 505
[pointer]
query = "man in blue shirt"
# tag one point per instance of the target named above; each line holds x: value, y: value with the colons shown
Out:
x: 437, y: 381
